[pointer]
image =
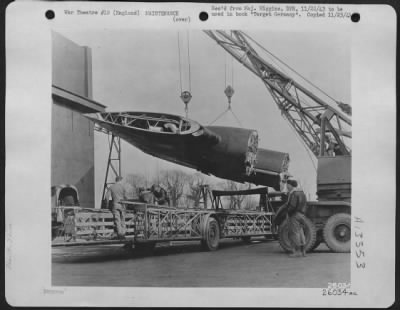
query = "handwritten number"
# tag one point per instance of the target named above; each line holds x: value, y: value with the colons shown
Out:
x: 358, y: 220
x: 360, y: 253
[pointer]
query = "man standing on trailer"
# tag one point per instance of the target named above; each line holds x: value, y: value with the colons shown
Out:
x: 296, y: 204
x: 117, y: 192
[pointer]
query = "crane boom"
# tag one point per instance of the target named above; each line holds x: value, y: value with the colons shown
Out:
x: 310, y: 116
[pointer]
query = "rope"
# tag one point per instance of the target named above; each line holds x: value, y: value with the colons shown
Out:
x: 219, y: 116
x: 236, y: 118
x: 223, y: 113
x: 180, y: 69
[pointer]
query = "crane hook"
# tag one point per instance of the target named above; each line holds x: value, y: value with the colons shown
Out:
x: 186, y: 96
x: 229, y: 91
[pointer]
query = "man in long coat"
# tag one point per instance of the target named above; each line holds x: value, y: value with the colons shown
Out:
x: 296, y: 204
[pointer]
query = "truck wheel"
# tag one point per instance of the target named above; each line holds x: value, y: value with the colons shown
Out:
x: 309, y: 232
x: 316, y: 245
x: 318, y: 241
x: 211, y: 238
x: 337, y: 232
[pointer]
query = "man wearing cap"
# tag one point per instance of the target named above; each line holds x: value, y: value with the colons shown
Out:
x: 296, y: 204
x: 117, y: 192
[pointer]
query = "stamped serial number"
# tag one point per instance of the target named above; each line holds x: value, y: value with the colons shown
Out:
x: 337, y: 289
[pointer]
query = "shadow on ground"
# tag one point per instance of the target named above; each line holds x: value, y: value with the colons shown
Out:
x: 90, y: 254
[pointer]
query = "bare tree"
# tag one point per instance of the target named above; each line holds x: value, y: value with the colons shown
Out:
x: 135, y: 182
x: 196, y: 182
x: 174, y: 181
x: 236, y: 201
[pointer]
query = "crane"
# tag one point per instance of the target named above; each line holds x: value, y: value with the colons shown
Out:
x: 310, y: 117
x: 324, y: 129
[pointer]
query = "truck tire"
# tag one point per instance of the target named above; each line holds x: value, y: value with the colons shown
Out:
x: 337, y: 232
x: 309, y: 231
x: 318, y: 241
x: 316, y: 245
x: 210, y: 241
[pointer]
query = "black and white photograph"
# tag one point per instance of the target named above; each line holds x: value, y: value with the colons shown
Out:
x: 194, y: 157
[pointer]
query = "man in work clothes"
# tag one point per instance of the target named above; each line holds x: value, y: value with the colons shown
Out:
x: 296, y: 204
x: 117, y: 192
x: 160, y: 195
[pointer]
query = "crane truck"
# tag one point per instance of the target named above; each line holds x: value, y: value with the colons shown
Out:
x: 325, y: 131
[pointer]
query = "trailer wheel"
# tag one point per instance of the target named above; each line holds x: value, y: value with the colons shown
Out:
x: 211, y: 238
x: 56, y: 231
x: 310, y: 233
x: 271, y: 237
x: 246, y: 239
x: 337, y: 232
x: 146, y: 248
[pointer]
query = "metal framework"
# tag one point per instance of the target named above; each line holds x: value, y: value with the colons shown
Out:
x: 242, y: 224
x: 113, y: 162
x: 145, y: 120
x: 154, y: 223
x: 309, y: 115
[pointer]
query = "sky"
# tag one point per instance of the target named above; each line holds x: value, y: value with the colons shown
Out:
x: 138, y: 70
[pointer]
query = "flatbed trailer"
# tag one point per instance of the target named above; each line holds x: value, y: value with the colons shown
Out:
x: 148, y: 224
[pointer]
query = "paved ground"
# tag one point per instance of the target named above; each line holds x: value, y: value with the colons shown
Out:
x: 235, y: 264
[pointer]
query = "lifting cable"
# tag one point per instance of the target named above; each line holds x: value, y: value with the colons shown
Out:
x: 188, y: 52
x: 180, y: 66
x: 186, y: 95
x: 229, y: 91
x: 226, y: 71
x: 223, y: 113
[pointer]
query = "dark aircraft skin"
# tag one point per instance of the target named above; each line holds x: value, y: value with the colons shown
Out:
x: 226, y: 152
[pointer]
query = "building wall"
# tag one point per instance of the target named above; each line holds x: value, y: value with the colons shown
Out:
x: 73, y: 151
x: 72, y: 66
x: 72, y: 133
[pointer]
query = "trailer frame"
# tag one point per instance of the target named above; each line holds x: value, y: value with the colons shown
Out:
x: 150, y: 224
